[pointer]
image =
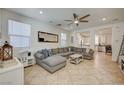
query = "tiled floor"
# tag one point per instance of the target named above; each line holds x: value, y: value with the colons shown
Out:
x: 101, y: 70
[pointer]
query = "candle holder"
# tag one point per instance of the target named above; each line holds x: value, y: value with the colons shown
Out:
x: 6, y: 52
x: 1, y: 64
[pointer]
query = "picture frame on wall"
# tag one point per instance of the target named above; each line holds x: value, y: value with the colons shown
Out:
x: 47, y: 37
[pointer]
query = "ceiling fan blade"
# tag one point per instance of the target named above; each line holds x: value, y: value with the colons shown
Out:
x: 70, y: 23
x: 68, y: 20
x: 75, y: 16
x: 83, y: 21
x: 84, y: 16
x: 77, y: 24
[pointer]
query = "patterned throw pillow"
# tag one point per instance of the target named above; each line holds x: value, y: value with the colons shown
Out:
x: 50, y: 52
x: 45, y: 52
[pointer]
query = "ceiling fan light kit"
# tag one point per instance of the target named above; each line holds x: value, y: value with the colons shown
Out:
x: 78, y: 19
x: 41, y: 12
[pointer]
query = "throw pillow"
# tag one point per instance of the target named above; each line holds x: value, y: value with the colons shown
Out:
x: 55, y: 51
x: 84, y: 50
x: 50, y: 52
x: 45, y: 52
x: 60, y: 50
x: 87, y: 50
x: 40, y: 51
x: 39, y: 55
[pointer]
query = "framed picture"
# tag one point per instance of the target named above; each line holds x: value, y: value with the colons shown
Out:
x: 47, y: 37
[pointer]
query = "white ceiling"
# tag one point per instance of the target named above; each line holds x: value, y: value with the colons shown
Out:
x: 58, y: 15
x: 85, y: 34
x: 104, y: 31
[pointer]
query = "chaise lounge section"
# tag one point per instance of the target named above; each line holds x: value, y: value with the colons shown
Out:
x: 52, y: 63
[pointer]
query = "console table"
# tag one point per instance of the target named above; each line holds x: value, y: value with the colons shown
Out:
x: 12, y: 73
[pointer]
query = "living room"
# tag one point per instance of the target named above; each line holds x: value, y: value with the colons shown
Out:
x: 32, y: 30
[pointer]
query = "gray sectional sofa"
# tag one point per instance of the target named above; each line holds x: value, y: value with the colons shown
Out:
x: 54, y: 59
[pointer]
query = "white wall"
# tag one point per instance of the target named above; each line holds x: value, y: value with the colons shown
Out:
x: 35, y: 26
x: 117, y: 34
x: 0, y: 20
x: 92, y: 39
x: 109, y: 39
x: 74, y: 35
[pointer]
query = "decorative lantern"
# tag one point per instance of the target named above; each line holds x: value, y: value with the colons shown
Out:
x: 6, y: 52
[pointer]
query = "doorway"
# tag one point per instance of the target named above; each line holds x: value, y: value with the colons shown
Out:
x: 103, y: 40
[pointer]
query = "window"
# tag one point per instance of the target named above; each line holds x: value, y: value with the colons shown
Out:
x: 63, y: 39
x: 96, y: 40
x: 19, y: 34
x: 102, y: 39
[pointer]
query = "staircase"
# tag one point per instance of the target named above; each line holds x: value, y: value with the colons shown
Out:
x: 121, y: 52
x: 120, y: 59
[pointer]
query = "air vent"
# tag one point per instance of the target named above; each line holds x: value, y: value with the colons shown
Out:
x: 116, y: 19
x: 59, y: 25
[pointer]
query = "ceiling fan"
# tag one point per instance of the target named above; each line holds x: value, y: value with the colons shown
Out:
x: 77, y: 19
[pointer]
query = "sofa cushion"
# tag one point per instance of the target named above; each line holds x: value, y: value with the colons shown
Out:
x: 83, y: 50
x: 39, y: 55
x: 45, y: 53
x: 87, y: 50
x: 60, y: 54
x: 60, y: 50
x: 91, y: 52
x: 50, y: 52
x: 54, y: 60
x: 68, y: 53
x: 88, y: 57
x: 79, y: 50
x: 72, y: 48
x: 66, y: 49
x: 54, y: 51
x: 39, y: 51
x: 86, y: 54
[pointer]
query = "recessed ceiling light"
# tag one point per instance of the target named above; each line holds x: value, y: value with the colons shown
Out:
x: 103, y: 19
x: 41, y: 12
x: 76, y: 21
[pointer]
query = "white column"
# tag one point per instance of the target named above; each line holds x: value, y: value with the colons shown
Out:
x: 92, y: 39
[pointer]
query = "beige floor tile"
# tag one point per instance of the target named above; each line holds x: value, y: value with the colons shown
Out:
x: 101, y: 70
